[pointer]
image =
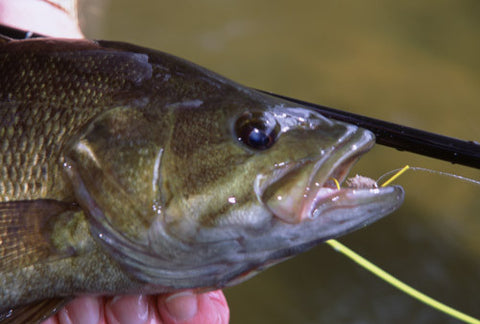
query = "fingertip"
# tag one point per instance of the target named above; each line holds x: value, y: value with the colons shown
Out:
x: 179, y: 307
x: 82, y: 310
x: 130, y: 309
x: 189, y: 308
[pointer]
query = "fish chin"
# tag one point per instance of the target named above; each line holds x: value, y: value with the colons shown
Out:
x: 335, y: 214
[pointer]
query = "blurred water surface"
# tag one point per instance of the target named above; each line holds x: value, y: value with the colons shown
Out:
x: 415, y: 63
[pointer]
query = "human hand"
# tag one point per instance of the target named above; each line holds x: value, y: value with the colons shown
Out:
x: 44, y: 17
x: 180, y: 308
x: 41, y: 16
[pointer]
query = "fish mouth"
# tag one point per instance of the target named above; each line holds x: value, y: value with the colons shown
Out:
x: 311, y: 188
x: 324, y: 187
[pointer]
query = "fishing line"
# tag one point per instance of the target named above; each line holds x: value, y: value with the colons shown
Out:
x: 442, y: 173
x: 382, y: 274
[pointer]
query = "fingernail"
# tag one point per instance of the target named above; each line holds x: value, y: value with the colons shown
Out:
x: 182, y: 306
x: 128, y: 309
x: 83, y: 310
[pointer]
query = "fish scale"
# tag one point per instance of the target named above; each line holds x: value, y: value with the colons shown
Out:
x: 36, y: 117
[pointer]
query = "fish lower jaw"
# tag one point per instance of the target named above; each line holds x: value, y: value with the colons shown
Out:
x: 328, y: 198
x: 331, y: 195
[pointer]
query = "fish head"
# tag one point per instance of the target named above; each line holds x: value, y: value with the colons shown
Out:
x: 206, y: 191
x: 264, y: 190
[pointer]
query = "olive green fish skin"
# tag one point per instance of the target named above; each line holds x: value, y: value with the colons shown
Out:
x: 45, y: 98
x: 122, y: 172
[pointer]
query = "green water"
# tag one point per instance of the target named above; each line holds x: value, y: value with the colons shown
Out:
x: 415, y: 63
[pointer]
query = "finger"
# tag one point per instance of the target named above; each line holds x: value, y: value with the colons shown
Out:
x: 189, y: 308
x: 83, y: 310
x: 131, y: 309
x: 42, y: 17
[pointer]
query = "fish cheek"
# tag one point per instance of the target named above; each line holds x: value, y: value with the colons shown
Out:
x: 201, y: 154
x: 114, y: 167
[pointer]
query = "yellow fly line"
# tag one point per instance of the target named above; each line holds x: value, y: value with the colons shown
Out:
x: 364, y: 263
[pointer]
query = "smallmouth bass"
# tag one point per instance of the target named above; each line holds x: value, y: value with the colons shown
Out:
x: 127, y: 170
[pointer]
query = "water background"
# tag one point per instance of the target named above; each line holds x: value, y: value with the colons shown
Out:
x: 414, y: 63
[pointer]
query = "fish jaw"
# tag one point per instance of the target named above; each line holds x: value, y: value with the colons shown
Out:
x: 336, y: 214
x: 300, y: 190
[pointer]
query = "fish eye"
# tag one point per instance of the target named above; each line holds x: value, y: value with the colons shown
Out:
x: 257, y: 130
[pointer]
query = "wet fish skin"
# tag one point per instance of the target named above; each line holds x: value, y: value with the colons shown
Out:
x: 48, y: 90
x: 121, y: 173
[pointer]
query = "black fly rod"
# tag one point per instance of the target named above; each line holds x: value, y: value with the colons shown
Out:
x: 405, y: 138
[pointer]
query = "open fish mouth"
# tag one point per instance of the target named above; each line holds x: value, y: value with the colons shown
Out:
x: 311, y: 188
x: 326, y: 187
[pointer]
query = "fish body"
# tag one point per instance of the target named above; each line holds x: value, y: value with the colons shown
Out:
x: 128, y: 170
